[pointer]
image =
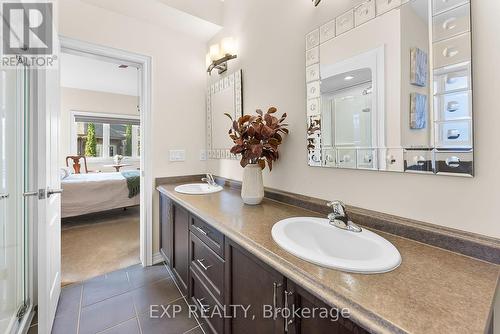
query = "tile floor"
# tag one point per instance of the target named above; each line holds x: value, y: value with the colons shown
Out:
x: 118, y: 303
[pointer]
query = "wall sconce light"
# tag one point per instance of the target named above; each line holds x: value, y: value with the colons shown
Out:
x: 316, y: 2
x: 220, y: 54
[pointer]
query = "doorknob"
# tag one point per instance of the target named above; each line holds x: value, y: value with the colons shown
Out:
x: 4, y: 196
x: 31, y: 193
x: 51, y: 192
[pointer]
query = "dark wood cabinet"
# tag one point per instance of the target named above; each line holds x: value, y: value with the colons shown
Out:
x: 252, y: 283
x: 326, y: 320
x: 180, y: 256
x: 218, y: 274
x: 166, y: 228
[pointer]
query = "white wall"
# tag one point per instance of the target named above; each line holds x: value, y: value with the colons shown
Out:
x: 73, y: 99
x: 271, y: 38
x: 178, y: 100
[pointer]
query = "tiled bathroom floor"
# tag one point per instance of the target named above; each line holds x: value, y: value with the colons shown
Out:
x: 119, y: 302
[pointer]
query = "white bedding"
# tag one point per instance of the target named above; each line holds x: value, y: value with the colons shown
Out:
x: 94, y: 192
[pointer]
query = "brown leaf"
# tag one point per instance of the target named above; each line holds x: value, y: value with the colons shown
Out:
x: 230, y: 117
x: 272, y: 110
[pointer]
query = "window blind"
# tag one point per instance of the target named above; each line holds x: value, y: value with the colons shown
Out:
x: 107, y: 120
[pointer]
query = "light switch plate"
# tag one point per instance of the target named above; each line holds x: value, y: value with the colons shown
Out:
x: 177, y: 155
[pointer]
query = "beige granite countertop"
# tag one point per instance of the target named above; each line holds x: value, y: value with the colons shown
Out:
x: 433, y: 291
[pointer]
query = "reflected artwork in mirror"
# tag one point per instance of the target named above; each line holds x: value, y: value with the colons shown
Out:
x: 389, y: 88
x: 225, y: 95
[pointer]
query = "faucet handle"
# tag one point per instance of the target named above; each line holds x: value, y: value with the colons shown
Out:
x: 338, y: 207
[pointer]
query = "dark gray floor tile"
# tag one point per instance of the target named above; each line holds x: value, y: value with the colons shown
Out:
x: 108, y: 313
x: 179, y: 324
x: 128, y: 327
x: 106, y: 286
x: 66, y: 323
x: 159, y: 293
x: 69, y: 300
x: 144, y: 276
x: 196, y: 330
x: 33, y: 330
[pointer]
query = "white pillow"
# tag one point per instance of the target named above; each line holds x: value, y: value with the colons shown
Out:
x: 64, y: 172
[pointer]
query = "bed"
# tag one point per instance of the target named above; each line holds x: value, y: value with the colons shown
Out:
x: 96, y: 192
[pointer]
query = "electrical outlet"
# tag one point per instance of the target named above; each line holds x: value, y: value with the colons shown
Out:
x: 177, y: 155
x: 203, y: 155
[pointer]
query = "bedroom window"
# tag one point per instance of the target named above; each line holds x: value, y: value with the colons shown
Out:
x: 104, y: 136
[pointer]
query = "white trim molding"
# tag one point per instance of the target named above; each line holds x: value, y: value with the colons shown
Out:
x: 144, y: 64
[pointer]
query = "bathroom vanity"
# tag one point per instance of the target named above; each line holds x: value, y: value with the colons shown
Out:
x: 221, y: 253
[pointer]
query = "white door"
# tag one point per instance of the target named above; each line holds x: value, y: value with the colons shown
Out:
x: 49, y: 208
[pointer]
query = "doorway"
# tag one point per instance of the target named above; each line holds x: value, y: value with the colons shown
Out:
x: 99, y: 147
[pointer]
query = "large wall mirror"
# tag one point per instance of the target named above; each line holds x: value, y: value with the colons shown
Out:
x: 223, y: 96
x: 389, y: 88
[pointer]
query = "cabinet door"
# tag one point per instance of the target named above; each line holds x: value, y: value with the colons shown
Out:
x: 166, y: 228
x: 180, y: 256
x: 250, y: 282
x: 298, y: 299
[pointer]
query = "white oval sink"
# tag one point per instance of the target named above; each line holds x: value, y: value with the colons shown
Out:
x: 197, y: 189
x: 318, y: 242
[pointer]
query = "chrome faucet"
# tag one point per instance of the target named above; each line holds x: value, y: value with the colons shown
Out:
x: 209, y: 179
x: 340, y: 219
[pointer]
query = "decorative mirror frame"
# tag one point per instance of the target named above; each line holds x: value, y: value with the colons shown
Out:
x: 450, y: 57
x: 233, y: 81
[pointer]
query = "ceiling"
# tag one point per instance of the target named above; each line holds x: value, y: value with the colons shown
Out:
x: 199, y: 18
x: 97, y: 75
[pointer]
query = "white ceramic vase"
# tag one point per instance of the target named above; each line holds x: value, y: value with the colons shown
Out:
x: 252, y: 189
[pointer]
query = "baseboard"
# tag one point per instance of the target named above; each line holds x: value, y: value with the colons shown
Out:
x: 157, y: 258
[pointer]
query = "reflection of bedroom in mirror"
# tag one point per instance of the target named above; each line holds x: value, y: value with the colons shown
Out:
x: 100, y: 165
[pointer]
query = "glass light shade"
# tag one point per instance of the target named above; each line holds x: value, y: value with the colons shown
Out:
x: 228, y: 46
x: 215, y: 53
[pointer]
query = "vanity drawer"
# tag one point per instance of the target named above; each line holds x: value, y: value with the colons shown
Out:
x: 454, y: 134
x: 393, y: 159
x: 210, y: 236
x: 455, y: 162
x: 452, y: 51
x: 364, y: 12
x: 453, y: 106
x: 452, y: 78
x: 418, y: 161
x: 451, y: 23
x: 440, y: 6
x: 205, y: 304
x: 209, y: 265
x: 386, y: 5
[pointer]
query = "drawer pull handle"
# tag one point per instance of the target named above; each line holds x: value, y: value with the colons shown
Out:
x: 450, y: 52
x: 288, y: 294
x: 453, y: 134
x: 449, y: 24
x: 204, y: 308
x: 200, y: 262
x: 202, y: 231
x: 453, y: 106
x: 420, y: 161
x: 453, y: 162
x: 4, y: 196
x: 275, y: 298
